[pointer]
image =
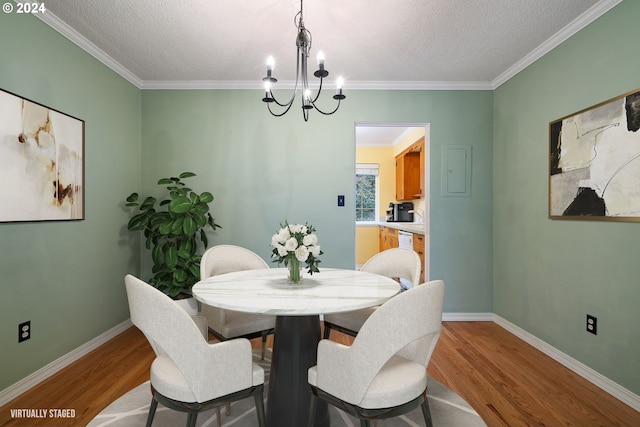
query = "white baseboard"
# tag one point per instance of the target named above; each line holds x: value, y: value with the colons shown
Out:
x: 594, y: 377
x: 467, y: 317
x: 15, y: 390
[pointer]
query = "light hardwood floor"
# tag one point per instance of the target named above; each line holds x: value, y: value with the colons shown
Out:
x: 508, y: 382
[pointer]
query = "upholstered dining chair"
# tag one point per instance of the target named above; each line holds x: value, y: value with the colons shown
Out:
x: 189, y: 374
x: 397, y: 263
x: 383, y: 373
x: 201, y: 323
x: 227, y: 324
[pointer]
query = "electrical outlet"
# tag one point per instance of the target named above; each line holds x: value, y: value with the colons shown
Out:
x: 592, y: 324
x: 24, y: 331
x: 340, y: 200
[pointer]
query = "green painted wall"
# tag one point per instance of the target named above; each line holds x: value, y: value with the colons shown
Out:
x: 66, y: 277
x: 550, y: 274
x: 263, y: 170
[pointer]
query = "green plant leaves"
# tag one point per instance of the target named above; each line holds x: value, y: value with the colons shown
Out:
x: 184, y: 254
x: 204, y: 238
x: 171, y: 256
x: 176, y: 225
x: 188, y: 226
x: 199, y: 218
x: 132, y: 200
x: 138, y: 222
x: 165, y: 228
x: 206, y: 197
x: 171, y: 229
x: 157, y: 255
x: 180, y: 204
x: 148, y: 203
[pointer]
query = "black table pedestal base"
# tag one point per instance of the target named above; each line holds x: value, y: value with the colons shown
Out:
x: 294, y: 352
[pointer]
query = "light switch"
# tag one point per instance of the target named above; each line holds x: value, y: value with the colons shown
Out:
x: 340, y: 200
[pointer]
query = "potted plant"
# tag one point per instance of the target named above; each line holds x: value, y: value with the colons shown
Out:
x: 173, y: 229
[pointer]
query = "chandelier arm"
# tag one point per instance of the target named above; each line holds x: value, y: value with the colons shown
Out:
x: 325, y: 113
x: 280, y: 114
x: 318, y: 93
x: 293, y: 94
x: 285, y: 104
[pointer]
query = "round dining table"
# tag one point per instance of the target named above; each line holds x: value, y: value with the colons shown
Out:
x: 298, y: 308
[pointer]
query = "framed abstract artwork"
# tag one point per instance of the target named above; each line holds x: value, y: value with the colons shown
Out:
x: 41, y: 162
x: 594, y: 162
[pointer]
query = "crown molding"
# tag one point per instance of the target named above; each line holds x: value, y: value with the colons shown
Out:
x: 418, y: 85
x: 288, y: 85
x: 202, y: 84
x: 60, y: 26
x: 596, y: 11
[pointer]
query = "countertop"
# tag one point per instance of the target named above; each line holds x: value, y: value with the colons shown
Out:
x: 411, y: 227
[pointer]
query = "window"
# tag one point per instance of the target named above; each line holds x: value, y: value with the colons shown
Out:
x: 366, y: 191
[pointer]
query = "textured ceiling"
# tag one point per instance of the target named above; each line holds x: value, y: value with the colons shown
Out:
x: 371, y: 43
x: 376, y: 135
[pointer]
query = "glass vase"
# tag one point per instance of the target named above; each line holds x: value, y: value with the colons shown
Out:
x: 294, y: 270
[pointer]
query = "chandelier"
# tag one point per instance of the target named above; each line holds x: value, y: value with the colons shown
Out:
x: 303, y: 44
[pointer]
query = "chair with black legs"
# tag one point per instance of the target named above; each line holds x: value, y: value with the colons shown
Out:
x: 227, y: 324
x: 383, y: 373
x: 189, y: 374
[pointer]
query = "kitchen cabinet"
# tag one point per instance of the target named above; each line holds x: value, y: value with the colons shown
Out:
x: 418, y: 247
x: 388, y: 238
x: 410, y: 172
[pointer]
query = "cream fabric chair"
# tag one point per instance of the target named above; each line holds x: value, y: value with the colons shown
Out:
x: 189, y: 374
x: 201, y: 323
x: 226, y: 324
x: 397, y: 263
x: 384, y: 372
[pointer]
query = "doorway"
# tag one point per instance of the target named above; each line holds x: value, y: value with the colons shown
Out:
x: 377, y: 145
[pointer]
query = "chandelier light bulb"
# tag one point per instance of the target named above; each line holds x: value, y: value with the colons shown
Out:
x: 268, y: 97
x: 320, y: 59
x: 339, y: 96
x: 270, y: 63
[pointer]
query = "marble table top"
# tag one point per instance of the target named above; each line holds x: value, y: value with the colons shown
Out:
x: 267, y: 291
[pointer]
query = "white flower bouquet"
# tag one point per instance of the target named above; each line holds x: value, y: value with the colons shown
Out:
x: 293, y: 244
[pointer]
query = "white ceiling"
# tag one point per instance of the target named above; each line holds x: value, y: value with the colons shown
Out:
x: 381, y: 135
x: 376, y: 44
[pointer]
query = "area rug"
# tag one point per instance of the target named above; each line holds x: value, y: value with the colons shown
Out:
x: 131, y: 409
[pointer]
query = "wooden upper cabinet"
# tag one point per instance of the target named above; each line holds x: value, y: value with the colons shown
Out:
x: 410, y: 172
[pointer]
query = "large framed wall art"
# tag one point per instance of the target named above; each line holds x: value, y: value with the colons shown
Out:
x: 594, y: 169
x: 41, y: 162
